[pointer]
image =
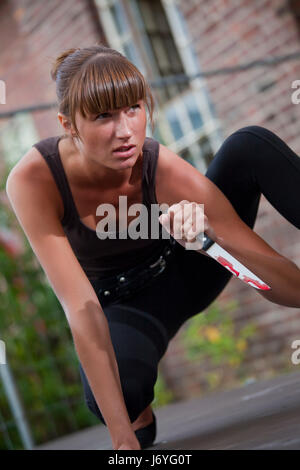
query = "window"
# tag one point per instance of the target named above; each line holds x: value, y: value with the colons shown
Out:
x: 154, y: 36
x: 116, y: 26
x: 16, y: 136
x: 158, y: 41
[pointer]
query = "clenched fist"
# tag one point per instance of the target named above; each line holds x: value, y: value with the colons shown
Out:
x: 186, y: 220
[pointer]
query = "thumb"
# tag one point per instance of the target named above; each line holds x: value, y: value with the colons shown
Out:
x: 163, y: 218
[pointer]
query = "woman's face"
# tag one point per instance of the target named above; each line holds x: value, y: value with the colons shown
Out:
x: 102, y: 134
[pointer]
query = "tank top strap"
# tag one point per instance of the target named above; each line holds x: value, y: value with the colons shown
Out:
x: 150, y: 152
x: 49, y: 150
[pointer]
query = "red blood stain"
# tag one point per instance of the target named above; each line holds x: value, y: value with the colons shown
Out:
x: 248, y: 280
x: 260, y: 285
x: 227, y: 264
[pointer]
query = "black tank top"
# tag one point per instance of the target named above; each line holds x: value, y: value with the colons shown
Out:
x: 101, y: 258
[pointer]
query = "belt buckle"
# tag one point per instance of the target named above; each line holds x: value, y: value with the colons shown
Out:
x: 160, y: 261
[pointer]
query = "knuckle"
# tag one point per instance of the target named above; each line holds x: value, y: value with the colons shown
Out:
x: 177, y: 216
x: 173, y: 207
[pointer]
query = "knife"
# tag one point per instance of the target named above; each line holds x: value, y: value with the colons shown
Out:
x: 218, y: 253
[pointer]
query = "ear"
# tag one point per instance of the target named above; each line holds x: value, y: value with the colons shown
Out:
x: 66, y: 123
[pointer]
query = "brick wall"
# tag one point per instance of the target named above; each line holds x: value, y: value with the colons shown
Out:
x: 33, y: 33
x: 227, y: 33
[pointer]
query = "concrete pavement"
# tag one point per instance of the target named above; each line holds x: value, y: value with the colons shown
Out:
x: 261, y: 415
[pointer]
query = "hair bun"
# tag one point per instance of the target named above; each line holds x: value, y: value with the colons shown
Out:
x: 59, y: 60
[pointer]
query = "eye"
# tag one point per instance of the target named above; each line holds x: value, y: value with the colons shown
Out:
x: 102, y: 115
x: 107, y: 115
x: 135, y: 105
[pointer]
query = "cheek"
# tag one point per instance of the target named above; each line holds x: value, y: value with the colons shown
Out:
x: 140, y: 122
x: 100, y: 133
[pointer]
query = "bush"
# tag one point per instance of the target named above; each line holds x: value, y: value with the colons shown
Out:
x: 212, y: 337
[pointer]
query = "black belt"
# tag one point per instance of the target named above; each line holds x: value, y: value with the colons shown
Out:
x: 132, y: 280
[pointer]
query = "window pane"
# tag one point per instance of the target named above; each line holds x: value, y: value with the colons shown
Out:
x: 165, y: 54
x: 132, y: 54
x: 118, y: 14
x: 164, y: 49
x: 174, y: 123
x: 161, y: 55
x: 17, y: 136
x: 147, y: 15
x: 174, y: 59
x: 193, y: 111
x: 207, y: 152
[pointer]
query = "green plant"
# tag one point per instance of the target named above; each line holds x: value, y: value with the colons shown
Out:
x: 163, y: 395
x: 212, y: 335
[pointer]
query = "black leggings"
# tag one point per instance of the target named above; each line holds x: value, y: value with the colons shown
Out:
x: 252, y: 161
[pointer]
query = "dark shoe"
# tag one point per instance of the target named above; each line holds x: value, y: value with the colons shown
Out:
x: 147, y: 435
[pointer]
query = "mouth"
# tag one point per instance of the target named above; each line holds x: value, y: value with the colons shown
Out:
x: 125, y: 150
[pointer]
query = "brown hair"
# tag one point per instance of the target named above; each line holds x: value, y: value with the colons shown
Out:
x: 95, y: 79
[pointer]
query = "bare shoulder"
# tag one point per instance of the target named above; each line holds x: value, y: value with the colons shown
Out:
x: 174, y: 176
x: 33, y: 168
x: 35, y: 211
x: 32, y: 165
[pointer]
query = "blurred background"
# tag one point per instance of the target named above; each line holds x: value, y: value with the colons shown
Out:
x: 214, y: 66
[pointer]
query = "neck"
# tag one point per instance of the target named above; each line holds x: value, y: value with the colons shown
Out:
x: 85, y: 172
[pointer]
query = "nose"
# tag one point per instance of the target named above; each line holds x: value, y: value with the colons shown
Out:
x: 122, y: 128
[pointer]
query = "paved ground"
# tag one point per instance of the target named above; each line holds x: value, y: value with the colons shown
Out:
x: 261, y: 415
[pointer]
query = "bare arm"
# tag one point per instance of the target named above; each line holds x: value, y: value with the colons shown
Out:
x: 234, y: 235
x: 95, y: 351
x: 41, y: 225
x: 277, y: 271
x: 178, y: 180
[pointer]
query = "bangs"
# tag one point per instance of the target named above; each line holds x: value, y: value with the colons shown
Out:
x: 107, y: 83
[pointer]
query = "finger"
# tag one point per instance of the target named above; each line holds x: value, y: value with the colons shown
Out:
x: 184, y: 215
x: 178, y: 223
x: 165, y: 221
x: 180, y: 213
x: 187, y: 227
x: 196, y: 221
x: 176, y: 217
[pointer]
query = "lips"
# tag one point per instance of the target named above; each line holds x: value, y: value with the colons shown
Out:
x: 125, y: 151
x: 123, y: 148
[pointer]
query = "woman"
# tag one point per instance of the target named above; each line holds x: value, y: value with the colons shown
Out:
x: 125, y: 298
